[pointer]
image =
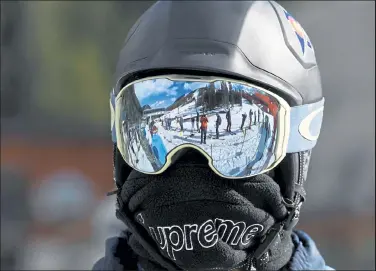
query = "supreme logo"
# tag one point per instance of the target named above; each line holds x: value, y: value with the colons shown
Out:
x: 206, y: 235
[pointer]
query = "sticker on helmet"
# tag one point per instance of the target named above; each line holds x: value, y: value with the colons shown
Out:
x: 300, y: 33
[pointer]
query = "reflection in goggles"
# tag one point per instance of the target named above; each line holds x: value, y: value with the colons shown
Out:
x: 232, y: 123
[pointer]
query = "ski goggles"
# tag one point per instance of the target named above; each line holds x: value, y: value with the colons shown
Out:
x: 242, y: 129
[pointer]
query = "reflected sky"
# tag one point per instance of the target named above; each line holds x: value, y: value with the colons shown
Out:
x: 163, y: 92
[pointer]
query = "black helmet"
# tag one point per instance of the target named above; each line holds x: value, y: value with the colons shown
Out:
x: 254, y: 41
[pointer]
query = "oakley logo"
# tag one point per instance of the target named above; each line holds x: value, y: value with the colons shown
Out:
x: 304, y: 127
x: 176, y: 238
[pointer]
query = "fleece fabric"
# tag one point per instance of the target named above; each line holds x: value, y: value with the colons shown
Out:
x: 189, y: 218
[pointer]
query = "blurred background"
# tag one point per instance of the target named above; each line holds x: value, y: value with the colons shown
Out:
x: 57, y: 62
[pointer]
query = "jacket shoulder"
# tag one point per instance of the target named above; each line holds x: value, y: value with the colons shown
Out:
x: 306, y: 255
x: 118, y: 256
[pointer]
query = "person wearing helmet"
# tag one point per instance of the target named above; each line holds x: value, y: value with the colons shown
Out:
x: 232, y: 204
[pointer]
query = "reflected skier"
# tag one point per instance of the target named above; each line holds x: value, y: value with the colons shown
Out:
x: 198, y: 121
x: 228, y: 118
x: 250, y: 117
x: 193, y: 124
x: 157, y: 146
x: 169, y: 124
x: 244, y: 116
x: 267, y: 125
x: 181, y: 122
x: 204, y: 127
x: 218, y: 122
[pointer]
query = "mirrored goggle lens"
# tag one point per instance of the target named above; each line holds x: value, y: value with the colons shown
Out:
x: 240, y: 128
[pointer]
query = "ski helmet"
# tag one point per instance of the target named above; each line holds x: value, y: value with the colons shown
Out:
x: 254, y: 41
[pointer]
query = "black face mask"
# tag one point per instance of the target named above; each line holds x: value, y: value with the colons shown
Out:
x: 189, y: 218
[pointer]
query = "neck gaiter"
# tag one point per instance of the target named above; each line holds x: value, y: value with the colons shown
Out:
x: 189, y: 218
